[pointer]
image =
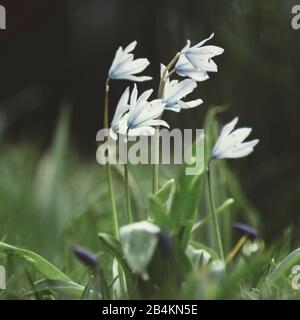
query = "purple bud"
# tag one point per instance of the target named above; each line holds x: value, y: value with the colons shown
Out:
x: 86, y: 257
x: 166, y: 246
x: 247, y: 230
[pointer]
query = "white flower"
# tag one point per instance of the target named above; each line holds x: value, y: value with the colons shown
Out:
x: 139, y: 241
x: 121, y: 108
x: 174, y: 91
x: 142, y: 115
x: 230, y: 143
x: 185, y: 69
x: 201, y: 56
x: 139, y: 226
x: 125, y: 67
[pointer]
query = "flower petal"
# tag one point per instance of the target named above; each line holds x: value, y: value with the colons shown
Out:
x: 239, y: 135
x: 122, y: 107
x: 156, y: 122
x: 187, y: 46
x: 130, y: 47
x: 141, y: 131
x: 201, y: 43
x: 204, y: 64
x: 242, y: 150
x: 133, y: 67
x: 190, y: 104
x: 185, y: 69
x: 119, y: 61
x: 184, y: 105
x: 124, y: 66
x: 137, y: 107
x: 226, y: 130
x: 206, y: 52
x: 133, y: 97
x: 113, y: 134
x: 179, y: 91
x: 207, y: 66
x: 198, y: 76
x: 229, y: 127
x: 137, y: 78
x: 151, y: 110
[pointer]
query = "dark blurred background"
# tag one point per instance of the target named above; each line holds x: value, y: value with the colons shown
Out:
x: 59, y: 50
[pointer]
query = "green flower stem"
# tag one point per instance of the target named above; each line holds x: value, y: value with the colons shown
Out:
x: 127, y: 191
x: 214, y: 214
x: 156, y: 137
x: 105, y: 124
x: 156, y: 162
x: 115, y: 222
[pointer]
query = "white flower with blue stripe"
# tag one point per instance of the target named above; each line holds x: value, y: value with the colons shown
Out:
x: 125, y: 67
x: 175, y: 90
x: 201, y: 56
x: 230, y: 143
x: 142, y: 116
x: 196, y: 61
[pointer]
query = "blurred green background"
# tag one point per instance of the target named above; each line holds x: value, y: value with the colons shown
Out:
x: 56, y: 54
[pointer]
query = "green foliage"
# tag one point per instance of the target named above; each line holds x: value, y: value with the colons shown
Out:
x: 40, y: 264
x: 53, y: 201
x: 280, y: 276
x: 59, y: 289
x: 186, y: 199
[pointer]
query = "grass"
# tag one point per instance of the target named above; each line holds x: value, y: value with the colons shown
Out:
x: 53, y: 201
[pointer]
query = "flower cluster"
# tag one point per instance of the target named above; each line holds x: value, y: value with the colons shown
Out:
x: 137, y: 115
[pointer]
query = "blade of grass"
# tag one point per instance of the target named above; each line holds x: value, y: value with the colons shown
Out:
x: 40, y: 264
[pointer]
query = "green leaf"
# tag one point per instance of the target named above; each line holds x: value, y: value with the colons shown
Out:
x: 284, y: 268
x: 87, y: 289
x: 187, y: 196
x: 50, y: 174
x: 40, y: 264
x: 60, y: 289
x: 136, y: 192
x: 242, y: 273
x: 158, y: 211
x: 113, y: 247
x: 32, y: 285
x: 218, y: 168
x: 163, y: 193
x: 102, y: 286
x: 219, y: 211
x: 159, y: 215
x: 249, y: 213
x: 110, y: 245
